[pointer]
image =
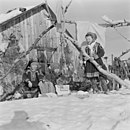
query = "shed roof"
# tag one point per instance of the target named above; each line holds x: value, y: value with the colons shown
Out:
x: 18, y: 12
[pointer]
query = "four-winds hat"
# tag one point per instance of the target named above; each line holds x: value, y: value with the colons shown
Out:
x: 93, y: 35
x: 34, y: 63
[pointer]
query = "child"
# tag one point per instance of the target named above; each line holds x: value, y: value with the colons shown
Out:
x: 32, y: 78
x: 95, y: 51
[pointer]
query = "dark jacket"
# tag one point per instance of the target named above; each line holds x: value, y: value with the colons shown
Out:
x: 34, y: 76
x: 90, y: 69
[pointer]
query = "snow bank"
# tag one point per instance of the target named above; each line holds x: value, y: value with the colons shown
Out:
x: 96, y: 112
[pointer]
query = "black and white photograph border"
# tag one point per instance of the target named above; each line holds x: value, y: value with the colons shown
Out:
x: 64, y: 65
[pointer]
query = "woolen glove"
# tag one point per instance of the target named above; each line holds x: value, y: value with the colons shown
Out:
x: 40, y: 84
x: 29, y: 84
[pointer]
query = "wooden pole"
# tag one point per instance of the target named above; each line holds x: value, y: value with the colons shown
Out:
x: 75, y: 24
x: 112, y: 59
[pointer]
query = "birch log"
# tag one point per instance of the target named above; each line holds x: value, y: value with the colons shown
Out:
x: 108, y: 74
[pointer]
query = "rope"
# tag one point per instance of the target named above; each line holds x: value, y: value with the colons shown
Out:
x: 122, y: 35
x: 123, y: 53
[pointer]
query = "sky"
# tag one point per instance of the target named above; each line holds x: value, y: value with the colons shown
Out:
x: 92, y: 11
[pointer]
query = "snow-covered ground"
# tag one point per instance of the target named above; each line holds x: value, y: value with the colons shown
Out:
x: 96, y: 112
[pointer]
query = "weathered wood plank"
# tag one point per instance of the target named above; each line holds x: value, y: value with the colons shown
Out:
x: 26, y: 34
x: 23, y: 40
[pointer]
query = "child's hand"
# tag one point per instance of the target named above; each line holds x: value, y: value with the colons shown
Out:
x: 86, y: 58
x: 29, y: 84
x: 95, y: 56
x: 40, y: 84
x: 29, y: 95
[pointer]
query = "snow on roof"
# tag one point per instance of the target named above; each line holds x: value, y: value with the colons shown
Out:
x: 12, y: 13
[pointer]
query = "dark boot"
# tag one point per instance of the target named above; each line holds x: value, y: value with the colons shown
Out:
x: 94, y: 85
x: 103, y: 84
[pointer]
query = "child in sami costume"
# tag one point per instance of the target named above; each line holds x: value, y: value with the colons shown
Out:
x: 95, y: 51
x: 32, y: 78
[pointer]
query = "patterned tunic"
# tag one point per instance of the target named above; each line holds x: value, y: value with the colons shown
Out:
x: 34, y: 77
x: 98, y: 52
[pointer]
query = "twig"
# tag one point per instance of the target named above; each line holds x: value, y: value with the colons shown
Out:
x: 66, y: 8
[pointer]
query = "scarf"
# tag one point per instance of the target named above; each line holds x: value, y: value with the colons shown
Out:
x: 92, y: 48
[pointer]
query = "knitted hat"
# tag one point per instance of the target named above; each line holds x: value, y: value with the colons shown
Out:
x: 93, y: 35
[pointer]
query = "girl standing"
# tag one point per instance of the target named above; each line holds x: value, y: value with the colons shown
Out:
x: 95, y: 51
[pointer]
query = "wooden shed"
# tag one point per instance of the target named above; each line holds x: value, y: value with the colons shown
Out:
x: 27, y: 24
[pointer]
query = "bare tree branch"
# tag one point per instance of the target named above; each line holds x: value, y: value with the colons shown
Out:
x: 114, y: 23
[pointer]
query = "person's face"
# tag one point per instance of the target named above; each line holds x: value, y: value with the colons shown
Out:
x: 57, y: 70
x: 33, y: 66
x: 89, y: 39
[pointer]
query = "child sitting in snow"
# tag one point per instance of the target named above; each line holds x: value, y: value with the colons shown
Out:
x: 32, y: 78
